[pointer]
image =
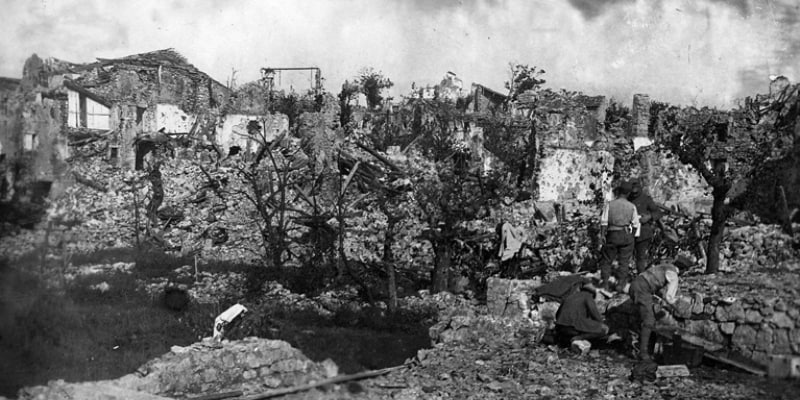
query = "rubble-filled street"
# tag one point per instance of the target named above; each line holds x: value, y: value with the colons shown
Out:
x: 373, y: 199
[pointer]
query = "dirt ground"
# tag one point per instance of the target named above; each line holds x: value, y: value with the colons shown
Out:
x: 78, y: 334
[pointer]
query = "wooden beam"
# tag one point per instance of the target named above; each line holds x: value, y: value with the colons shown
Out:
x: 335, y: 379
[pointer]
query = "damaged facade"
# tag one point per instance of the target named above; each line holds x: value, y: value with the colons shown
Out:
x: 115, y: 109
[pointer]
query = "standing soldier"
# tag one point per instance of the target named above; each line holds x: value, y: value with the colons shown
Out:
x: 649, y: 216
x: 619, y: 226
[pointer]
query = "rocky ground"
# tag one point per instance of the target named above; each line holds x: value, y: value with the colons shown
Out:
x: 478, y: 368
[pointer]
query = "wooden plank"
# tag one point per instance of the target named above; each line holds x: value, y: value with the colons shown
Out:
x: 218, y: 396
x: 336, y: 379
x: 741, y: 365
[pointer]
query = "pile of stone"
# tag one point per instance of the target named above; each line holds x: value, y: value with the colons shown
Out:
x: 204, y: 287
x: 251, y: 365
x: 754, y: 247
x: 100, y: 211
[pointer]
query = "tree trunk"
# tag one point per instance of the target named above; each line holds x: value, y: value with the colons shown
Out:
x: 784, y: 213
x: 441, y: 267
x: 388, y: 263
x: 157, y: 185
x: 718, y: 218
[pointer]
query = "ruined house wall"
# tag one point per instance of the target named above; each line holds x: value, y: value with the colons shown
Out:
x: 9, y: 115
x: 574, y: 174
x: 172, y: 119
x: 233, y: 130
x: 43, y: 145
x: 670, y: 182
x: 10, y: 125
x: 570, y: 166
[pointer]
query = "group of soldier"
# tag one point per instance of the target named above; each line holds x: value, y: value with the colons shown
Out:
x: 627, y: 227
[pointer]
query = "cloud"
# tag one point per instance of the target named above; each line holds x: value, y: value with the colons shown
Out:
x: 593, y: 8
x: 683, y: 51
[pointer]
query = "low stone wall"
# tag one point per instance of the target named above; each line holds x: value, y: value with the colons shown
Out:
x: 252, y: 365
x: 755, y: 325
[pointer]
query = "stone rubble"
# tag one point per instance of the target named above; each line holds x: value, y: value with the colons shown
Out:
x: 252, y: 365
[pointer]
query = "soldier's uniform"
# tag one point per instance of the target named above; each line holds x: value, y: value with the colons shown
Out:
x: 619, y: 224
x: 652, y: 281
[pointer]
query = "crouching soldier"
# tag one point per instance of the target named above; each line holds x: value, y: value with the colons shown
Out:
x: 658, y: 278
x: 578, y: 318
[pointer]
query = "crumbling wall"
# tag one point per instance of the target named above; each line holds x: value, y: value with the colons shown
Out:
x: 172, y: 119
x: 10, y: 126
x: 42, y: 120
x: 574, y: 174
x: 233, y: 130
x: 670, y: 182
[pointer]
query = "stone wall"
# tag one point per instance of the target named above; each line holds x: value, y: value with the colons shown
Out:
x: 756, y: 324
x: 669, y: 182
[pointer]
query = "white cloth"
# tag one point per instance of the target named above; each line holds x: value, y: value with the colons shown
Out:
x: 510, y: 242
x: 227, y: 317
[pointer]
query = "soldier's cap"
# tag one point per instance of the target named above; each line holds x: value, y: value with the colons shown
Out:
x: 625, y: 187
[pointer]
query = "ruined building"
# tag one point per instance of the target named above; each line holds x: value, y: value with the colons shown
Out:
x: 115, y: 109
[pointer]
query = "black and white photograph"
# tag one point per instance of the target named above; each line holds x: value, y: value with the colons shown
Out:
x: 399, y: 199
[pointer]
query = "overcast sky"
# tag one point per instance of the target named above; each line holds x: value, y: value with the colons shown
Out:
x: 702, y: 52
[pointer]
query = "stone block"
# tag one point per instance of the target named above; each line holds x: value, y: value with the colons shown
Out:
x: 683, y: 307
x: 794, y: 340
x: 727, y: 328
x: 764, y: 339
x: 709, y: 309
x: 731, y: 312
x: 753, y: 316
x: 781, y: 320
x: 744, y: 337
x: 780, y: 305
x: 781, y: 342
x: 706, y: 329
x: 783, y: 366
x: 697, y: 304
x: 767, y: 311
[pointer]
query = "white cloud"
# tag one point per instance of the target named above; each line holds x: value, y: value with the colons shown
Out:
x: 683, y: 51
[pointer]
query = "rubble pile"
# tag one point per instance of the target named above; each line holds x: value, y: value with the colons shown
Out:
x: 749, y: 248
x: 461, y: 320
x: 567, y: 245
x: 205, y: 287
x: 252, y: 365
x: 192, y: 218
x: 496, y: 370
